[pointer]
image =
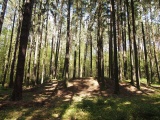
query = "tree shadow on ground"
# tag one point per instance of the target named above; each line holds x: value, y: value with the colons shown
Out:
x: 52, y: 100
x: 121, y: 109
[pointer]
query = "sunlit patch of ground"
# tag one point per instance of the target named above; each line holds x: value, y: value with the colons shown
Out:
x: 83, y: 88
x: 82, y: 100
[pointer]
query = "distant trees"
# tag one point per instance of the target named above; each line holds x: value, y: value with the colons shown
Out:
x: 73, y: 39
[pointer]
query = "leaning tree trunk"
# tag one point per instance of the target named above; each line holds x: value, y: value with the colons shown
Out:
x: 156, y: 61
x: 4, y: 6
x: 9, y: 51
x: 17, y: 91
x: 14, y: 55
x: 145, y: 55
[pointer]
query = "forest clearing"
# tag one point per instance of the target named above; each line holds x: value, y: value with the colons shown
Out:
x: 82, y: 100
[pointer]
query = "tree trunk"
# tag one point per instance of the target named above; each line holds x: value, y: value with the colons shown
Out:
x: 130, y: 43
x: 156, y: 60
x: 146, y: 57
x: 51, y: 59
x: 10, y: 49
x: 111, y: 63
x: 116, y: 91
x: 44, y: 68
x: 79, y: 57
x: 17, y: 91
x: 4, y: 6
x: 135, y: 47
x: 29, y: 62
x: 74, y: 68
x: 39, y: 47
x: 85, y: 57
x: 66, y: 63
x: 91, y: 64
x: 15, y: 53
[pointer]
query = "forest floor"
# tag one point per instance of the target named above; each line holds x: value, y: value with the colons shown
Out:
x: 82, y: 100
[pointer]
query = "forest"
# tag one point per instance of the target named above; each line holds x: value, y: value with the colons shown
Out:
x: 79, y: 59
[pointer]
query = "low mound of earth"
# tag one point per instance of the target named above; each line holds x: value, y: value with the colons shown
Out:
x: 78, y: 89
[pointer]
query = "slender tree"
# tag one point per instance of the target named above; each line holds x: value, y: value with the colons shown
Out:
x: 115, y: 49
x: 66, y: 63
x: 10, y: 49
x: 4, y: 6
x: 135, y: 46
x: 146, y: 57
x: 27, y: 14
x: 130, y: 43
x: 15, y: 53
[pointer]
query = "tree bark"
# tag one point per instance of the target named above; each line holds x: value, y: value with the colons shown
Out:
x: 130, y: 43
x: 17, y: 91
x: 10, y: 49
x: 4, y: 6
x: 66, y: 63
x: 135, y: 47
x: 15, y: 53
x: 116, y: 91
x: 146, y: 57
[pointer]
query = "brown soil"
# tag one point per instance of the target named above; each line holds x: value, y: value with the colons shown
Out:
x: 53, y: 92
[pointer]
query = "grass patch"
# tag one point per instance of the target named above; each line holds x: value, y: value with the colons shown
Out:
x: 115, y: 109
x: 144, y: 107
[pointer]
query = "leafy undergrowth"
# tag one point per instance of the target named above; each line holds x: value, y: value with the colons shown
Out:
x: 83, y: 100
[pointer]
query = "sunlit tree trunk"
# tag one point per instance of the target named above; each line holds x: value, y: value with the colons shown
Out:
x: 130, y: 43
x: 10, y: 49
x: 28, y: 76
x: 100, y: 58
x: 39, y: 52
x: 66, y: 63
x: 58, y: 41
x: 79, y: 57
x: 85, y: 57
x: 146, y: 56
x: 135, y: 47
x: 15, y: 53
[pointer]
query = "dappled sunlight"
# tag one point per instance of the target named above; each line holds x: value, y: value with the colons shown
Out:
x: 84, y: 88
x: 74, y: 113
x: 83, y: 100
x: 132, y: 90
